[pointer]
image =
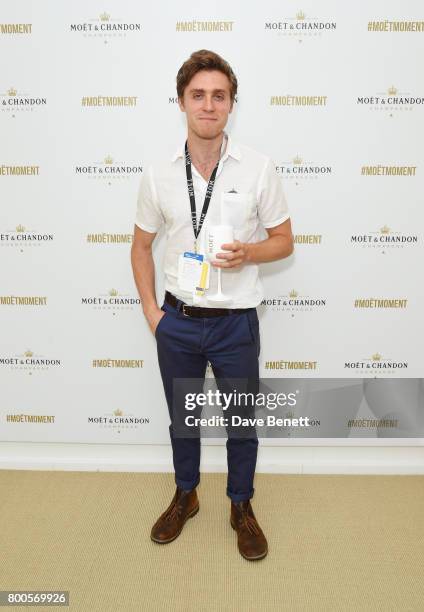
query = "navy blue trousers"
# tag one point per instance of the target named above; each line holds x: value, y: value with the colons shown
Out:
x: 232, y: 345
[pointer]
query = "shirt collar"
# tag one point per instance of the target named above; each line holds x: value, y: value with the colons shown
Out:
x: 231, y: 150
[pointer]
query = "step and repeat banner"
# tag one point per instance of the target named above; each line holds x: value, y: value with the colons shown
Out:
x: 331, y: 91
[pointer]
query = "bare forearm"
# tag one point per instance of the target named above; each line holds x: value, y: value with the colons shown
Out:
x: 144, y: 276
x: 270, y: 249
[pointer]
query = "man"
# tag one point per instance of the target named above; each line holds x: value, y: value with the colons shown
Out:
x: 211, y: 176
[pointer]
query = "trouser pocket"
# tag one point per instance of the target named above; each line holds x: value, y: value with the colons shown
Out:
x: 253, y: 323
x: 161, y: 322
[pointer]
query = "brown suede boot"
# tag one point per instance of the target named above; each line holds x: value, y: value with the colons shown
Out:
x: 169, y: 525
x: 251, y: 540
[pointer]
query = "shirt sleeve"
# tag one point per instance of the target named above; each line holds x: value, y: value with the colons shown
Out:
x: 148, y: 216
x: 272, y: 203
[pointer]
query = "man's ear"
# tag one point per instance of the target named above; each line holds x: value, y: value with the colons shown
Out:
x: 181, y: 104
x: 231, y: 107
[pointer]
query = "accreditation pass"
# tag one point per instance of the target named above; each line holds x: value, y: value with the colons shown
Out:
x: 193, y: 273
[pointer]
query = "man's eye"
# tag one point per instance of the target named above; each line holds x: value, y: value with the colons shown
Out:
x: 220, y: 98
x: 197, y: 95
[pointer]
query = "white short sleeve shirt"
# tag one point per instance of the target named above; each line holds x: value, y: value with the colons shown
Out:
x: 247, y: 194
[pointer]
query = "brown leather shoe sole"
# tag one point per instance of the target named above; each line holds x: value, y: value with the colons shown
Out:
x: 250, y: 558
x: 190, y: 515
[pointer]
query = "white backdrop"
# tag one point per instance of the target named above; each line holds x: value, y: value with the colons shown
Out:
x: 331, y: 91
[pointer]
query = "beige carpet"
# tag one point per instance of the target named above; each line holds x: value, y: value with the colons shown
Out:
x: 335, y: 543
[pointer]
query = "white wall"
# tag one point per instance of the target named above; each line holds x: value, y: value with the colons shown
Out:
x: 48, y: 349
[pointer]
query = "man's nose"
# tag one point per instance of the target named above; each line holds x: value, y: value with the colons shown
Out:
x: 208, y: 104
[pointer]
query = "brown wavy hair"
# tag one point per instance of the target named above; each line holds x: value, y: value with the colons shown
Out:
x: 204, y: 60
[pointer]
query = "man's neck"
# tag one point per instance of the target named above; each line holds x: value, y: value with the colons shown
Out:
x: 204, y: 151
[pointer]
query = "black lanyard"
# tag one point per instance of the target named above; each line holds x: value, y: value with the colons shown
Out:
x: 208, y: 195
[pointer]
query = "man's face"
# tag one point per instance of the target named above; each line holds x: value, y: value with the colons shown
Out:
x: 207, y: 103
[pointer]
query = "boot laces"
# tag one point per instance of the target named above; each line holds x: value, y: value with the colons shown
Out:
x: 174, y: 512
x: 249, y: 522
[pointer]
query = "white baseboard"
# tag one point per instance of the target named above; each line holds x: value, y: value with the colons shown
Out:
x: 290, y: 459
